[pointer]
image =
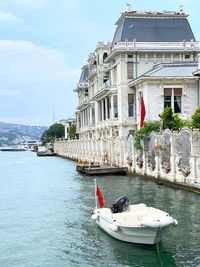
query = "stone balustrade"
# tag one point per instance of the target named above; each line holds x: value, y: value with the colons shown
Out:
x: 173, y: 156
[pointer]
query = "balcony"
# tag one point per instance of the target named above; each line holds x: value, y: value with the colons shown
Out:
x: 83, y: 100
x: 104, y: 85
x: 82, y: 85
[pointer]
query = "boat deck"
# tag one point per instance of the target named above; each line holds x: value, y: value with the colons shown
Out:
x: 46, y: 154
x: 101, y: 169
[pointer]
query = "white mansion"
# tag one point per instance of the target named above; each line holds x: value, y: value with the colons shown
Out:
x: 154, y: 55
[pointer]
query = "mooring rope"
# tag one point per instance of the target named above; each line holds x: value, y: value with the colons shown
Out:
x: 158, y: 249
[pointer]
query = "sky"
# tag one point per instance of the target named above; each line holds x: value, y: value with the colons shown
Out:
x: 44, y: 44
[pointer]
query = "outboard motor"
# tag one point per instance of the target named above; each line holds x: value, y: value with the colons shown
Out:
x: 120, y: 204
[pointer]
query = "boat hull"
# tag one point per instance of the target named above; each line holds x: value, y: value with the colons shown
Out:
x: 137, y: 235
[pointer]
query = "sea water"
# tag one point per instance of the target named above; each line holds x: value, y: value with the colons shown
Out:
x: 45, y: 209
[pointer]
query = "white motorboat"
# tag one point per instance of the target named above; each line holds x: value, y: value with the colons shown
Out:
x: 138, y: 224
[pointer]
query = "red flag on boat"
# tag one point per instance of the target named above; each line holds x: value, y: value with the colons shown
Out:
x: 143, y: 112
x: 100, y: 198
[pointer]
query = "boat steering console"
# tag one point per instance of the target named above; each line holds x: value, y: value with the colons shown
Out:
x: 119, y: 204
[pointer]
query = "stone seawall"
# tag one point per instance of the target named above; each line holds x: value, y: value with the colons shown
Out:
x: 171, y: 156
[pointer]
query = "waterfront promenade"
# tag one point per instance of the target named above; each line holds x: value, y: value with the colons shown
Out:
x: 173, y: 157
x: 45, y: 217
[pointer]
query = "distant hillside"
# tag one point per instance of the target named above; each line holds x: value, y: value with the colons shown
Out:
x: 11, y: 134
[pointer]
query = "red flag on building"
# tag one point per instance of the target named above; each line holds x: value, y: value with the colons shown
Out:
x: 143, y: 112
x: 100, y: 198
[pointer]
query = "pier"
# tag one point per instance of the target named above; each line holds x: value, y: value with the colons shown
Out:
x: 101, y: 169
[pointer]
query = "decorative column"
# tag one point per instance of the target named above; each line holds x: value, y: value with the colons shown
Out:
x: 106, y: 103
x: 102, y: 115
x: 173, y: 157
x: 112, y: 107
x: 90, y: 116
x: 144, y: 159
x: 157, y: 157
x: 193, y: 159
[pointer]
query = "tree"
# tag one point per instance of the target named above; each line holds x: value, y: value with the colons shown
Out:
x: 56, y: 130
x: 196, y: 118
x: 144, y: 132
x: 170, y: 120
x: 72, y: 132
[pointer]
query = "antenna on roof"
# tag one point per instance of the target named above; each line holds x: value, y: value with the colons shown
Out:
x: 54, y: 114
x: 181, y: 9
x: 128, y: 7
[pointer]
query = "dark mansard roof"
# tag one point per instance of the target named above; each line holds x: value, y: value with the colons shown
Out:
x: 84, y: 75
x: 147, y: 29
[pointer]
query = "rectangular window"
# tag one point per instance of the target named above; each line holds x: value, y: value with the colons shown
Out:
x: 115, y: 74
x: 100, y: 113
x: 130, y: 70
x: 167, y: 97
x: 79, y: 119
x: 177, y: 100
x: 104, y: 109
x: 93, y: 116
x: 86, y: 92
x: 172, y: 98
x: 115, y: 106
x: 130, y: 104
x: 108, y: 106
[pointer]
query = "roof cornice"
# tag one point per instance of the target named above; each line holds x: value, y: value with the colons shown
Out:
x: 142, y: 79
x: 151, y: 14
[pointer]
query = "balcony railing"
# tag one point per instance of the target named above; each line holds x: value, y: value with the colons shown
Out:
x: 83, y: 100
x: 104, y: 85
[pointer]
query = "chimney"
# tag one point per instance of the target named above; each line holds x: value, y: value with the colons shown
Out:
x: 128, y: 7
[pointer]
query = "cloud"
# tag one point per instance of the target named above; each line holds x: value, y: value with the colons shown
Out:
x: 31, y: 2
x: 33, y: 80
x: 8, y: 18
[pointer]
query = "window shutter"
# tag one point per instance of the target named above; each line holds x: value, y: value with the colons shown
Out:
x: 177, y: 91
x: 115, y: 74
x: 167, y: 92
x: 130, y: 70
x: 130, y: 98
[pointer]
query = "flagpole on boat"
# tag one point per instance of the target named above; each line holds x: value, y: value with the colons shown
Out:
x: 95, y: 190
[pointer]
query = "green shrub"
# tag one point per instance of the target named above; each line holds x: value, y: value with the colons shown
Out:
x: 143, y: 133
x: 196, y: 118
x: 56, y: 130
x: 72, y: 132
x: 171, y: 121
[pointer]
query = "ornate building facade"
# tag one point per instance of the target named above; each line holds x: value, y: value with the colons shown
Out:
x: 153, y: 55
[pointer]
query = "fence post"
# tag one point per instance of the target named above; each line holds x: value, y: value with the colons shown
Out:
x: 193, y: 159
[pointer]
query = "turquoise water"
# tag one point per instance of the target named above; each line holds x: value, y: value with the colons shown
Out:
x: 45, y: 206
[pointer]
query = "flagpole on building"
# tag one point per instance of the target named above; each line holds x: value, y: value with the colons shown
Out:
x: 95, y: 190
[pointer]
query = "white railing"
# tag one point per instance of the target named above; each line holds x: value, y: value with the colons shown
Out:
x: 171, y: 156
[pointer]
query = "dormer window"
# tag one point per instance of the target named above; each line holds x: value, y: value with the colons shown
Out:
x: 105, y: 55
x: 105, y: 80
x: 86, y: 92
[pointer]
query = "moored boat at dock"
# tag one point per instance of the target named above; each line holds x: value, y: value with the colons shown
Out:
x: 138, y: 224
x: 13, y: 148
